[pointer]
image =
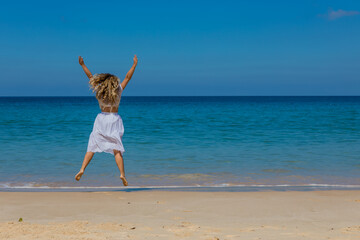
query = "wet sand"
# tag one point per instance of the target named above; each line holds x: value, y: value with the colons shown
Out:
x: 180, y: 215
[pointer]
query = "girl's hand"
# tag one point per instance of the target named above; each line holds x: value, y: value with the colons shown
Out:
x: 81, y: 61
x: 135, y: 60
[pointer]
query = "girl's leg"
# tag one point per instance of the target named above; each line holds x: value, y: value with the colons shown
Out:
x: 87, y: 159
x: 120, y: 163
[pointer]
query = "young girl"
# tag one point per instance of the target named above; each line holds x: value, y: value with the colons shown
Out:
x: 108, y: 127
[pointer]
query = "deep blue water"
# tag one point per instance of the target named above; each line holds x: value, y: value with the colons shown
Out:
x: 184, y: 141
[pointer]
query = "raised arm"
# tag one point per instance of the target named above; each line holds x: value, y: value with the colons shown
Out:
x: 129, y: 74
x: 86, y: 70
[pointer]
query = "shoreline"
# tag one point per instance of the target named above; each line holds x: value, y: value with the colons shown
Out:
x: 215, y: 188
x: 181, y: 215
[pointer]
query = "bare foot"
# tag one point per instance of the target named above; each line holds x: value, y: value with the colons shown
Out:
x: 78, y: 176
x: 124, y: 180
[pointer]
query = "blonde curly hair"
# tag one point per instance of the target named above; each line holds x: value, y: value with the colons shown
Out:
x: 106, y: 86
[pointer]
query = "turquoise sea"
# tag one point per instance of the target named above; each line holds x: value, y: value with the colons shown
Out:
x: 170, y: 142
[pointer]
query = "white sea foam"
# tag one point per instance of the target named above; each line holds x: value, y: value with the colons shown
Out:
x: 224, y: 185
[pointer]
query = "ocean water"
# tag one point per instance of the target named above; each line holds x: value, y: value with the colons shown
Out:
x: 184, y: 142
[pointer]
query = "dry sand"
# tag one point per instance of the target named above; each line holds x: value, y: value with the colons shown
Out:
x: 180, y: 215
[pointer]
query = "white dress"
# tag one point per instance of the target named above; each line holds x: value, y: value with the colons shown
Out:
x: 108, y: 130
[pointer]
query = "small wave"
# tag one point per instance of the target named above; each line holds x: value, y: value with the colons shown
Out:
x: 223, y: 185
x: 186, y: 177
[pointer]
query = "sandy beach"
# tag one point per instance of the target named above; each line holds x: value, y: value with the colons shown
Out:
x: 180, y: 215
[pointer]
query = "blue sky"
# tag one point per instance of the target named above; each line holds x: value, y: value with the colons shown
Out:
x: 184, y: 48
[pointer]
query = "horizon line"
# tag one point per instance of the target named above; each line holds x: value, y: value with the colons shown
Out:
x: 193, y: 96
